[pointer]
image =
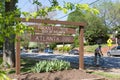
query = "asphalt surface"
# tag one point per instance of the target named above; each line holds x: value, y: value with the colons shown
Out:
x: 108, y: 62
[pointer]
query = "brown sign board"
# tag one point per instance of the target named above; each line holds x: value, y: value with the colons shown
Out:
x: 51, y: 38
x: 52, y: 30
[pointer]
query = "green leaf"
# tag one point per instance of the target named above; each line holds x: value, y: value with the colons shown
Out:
x: 27, y: 19
x: 34, y: 14
x: 95, y: 11
x: 65, y: 10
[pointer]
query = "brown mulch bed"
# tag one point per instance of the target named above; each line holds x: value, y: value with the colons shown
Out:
x: 74, y: 74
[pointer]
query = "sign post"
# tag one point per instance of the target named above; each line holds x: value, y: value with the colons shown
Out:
x: 17, y: 55
x: 81, y: 47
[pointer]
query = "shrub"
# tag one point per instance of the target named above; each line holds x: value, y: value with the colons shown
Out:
x: 49, y: 66
x: 65, y: 48
x: 3, y: 76
x: 60, y: 48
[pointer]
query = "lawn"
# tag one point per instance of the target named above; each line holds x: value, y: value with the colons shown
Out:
x: 108, y: 75
x: 91, y: 48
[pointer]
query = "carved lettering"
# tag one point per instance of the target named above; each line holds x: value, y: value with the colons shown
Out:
x: 51, y: 38
x: 53, y: 30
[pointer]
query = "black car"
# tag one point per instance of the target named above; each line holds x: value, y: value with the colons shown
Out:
x: 74, y: 52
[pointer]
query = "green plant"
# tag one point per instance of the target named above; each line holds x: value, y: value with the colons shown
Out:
x: 49, y: 66
x: 1, y: 60
x: 3, y: 76
x: 65, y: 48
x: 60, y: 49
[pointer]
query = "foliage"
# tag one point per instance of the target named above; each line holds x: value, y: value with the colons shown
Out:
x: 67, y: 48
x: 55, y: 6
x: 116, y: 28
x: 91, y: 48
x: 64, y: 48
x: 48, y: 66
x: 3, y: 76
x: 109, y: 12
x: 1, y: 60
x: 94, y: 30
x: 52, y: 45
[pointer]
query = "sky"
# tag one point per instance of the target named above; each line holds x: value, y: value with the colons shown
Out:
x: 26, y: 5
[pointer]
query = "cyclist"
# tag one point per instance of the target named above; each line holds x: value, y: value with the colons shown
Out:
x: 98, y: 54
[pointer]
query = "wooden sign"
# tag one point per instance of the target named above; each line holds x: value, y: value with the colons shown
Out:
x: 52, y: 30
x: 51, y: 38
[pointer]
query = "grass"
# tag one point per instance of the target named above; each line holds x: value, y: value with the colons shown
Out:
x: 26, y: 65
x: 1, y: 60
x: 91, y: 48
x: 108, y: 75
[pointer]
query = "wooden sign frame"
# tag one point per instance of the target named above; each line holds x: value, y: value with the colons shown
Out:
x: 81, y: 39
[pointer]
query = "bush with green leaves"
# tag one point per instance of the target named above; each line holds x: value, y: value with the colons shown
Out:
x: 65, y: 48
x: 3, y: 76
x: 49, y: 66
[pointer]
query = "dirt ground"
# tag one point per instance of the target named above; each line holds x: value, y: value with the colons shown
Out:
x: 74, y: 74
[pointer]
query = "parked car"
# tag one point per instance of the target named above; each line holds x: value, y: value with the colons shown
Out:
x: 48, y: 50
x: 74, y: 52
x: 115, y: 51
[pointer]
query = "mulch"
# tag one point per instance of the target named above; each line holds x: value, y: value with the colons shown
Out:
x: 73, y: 74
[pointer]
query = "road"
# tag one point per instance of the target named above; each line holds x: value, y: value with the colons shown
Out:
x: 109, y: 62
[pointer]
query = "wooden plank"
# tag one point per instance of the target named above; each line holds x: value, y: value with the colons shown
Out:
x: 52, y: 22
x: 51, y: 38
x: 52, y: 29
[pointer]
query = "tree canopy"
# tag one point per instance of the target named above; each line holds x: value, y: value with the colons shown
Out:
x: 95, y: 29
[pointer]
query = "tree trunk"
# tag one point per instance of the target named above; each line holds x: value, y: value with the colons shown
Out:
x: 9, y: 43
x: 8, y: 53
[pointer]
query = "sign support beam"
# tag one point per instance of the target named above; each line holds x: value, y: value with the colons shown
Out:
x: 17, y: 55
x: 81, y: 47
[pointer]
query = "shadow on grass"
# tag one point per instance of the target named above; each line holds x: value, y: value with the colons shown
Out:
x: 26, y: 65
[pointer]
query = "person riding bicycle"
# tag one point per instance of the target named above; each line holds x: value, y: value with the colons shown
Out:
x: 98, y: 54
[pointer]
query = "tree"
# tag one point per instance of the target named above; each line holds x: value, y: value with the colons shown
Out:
x: 95, y: 30
x: 8, y: 42
x: 109, y: 12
